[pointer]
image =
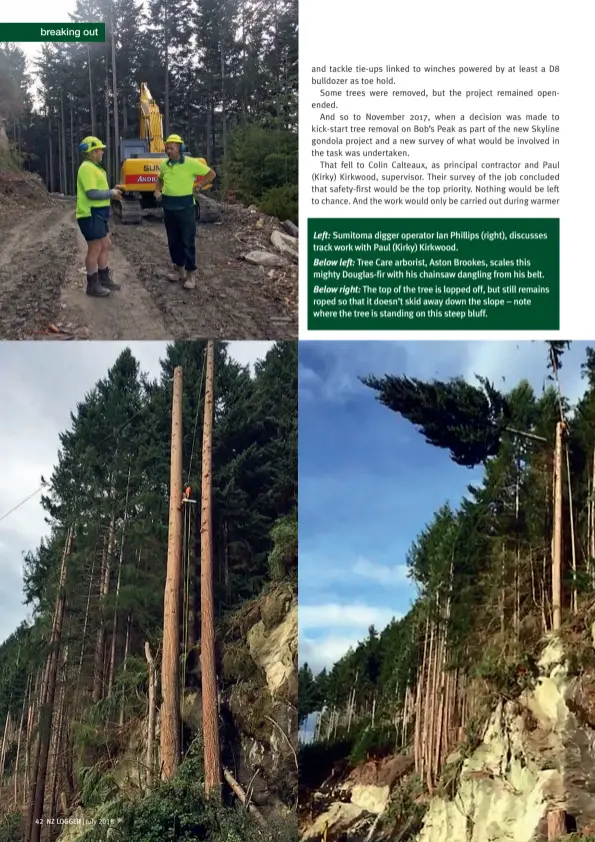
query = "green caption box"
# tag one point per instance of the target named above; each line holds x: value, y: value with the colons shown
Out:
x: 48, y: 32
x: 434, y: 274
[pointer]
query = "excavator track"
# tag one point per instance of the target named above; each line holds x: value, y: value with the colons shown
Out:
x: 127, y: 211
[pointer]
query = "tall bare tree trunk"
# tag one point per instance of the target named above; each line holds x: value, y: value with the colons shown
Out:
x: 91, y: 101
x: 47, y: 709
x: 125, y: 663
x: 63, y: 143
x: 557, y: 536
x: 151, y: 721
x: 112, y: 662
x: 112, y: 24
x: 170, y: 708
x: 207, y: 648
x: 166, y: 32
x: 16, y: 762
x: 417, y: 744
x: 99, y: 670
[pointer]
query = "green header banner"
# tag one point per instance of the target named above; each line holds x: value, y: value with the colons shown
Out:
x: 49, y: 32
x: 433, y: 274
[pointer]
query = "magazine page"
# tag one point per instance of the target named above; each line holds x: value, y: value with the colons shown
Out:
x: 443, y: 158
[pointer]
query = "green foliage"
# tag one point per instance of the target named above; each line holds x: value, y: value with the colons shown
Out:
x: 405, y: 809
x: 262, y: 160
x: 10, y: 161
x: 374, y: 742
x: 506, y: 676
x: 281, y: 202
x: 462, y: 418
x: 96, y: 786
x: 284, y: 555
x: 11, y: 827
x: 174, y: 811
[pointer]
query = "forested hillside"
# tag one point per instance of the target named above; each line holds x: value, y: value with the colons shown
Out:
x: 513, y: 563
x: 224, y: 73
x: 80, y: 685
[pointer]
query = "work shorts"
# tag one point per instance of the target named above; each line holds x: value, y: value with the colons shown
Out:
x: 96, y: 226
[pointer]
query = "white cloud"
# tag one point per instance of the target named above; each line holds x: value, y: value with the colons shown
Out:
x: 383, y: 574
x: 342, y: 627
x: 349, y: 616
x: 325, y: 651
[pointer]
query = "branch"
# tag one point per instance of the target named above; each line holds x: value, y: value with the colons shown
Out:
x: 276, y: 724
x: 242, y: 796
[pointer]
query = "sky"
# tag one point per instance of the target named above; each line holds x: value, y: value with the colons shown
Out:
x: 40, y: 385
x: 368, y: 481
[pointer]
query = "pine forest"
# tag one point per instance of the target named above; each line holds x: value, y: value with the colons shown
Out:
x: 152, y: 693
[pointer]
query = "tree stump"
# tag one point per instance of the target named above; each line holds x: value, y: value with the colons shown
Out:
x: 556, y: 824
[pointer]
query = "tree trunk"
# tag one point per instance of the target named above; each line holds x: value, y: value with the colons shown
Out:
x: 63, y: 144
x: 166, y: 34
x: 108, y: 128
x: 51, y: 155
x: 72, y: 155
x: 112, y: 662
x: 556, y: 825
x: 47, y: 710
x: 574, y: 594
x: 170, y: 675
x: 557, y: 535
x: 428, y: 704
x: 223, y: 96
x: 418, y: 706
x: 16, y: 762
x: 195, y: 620
x: 99, y: 671
x: 91, y: 102
x: 151, y: 722
x: 210, y: 707
x: 125, y: 664
x: 115, y: 87
x: 4, y: 746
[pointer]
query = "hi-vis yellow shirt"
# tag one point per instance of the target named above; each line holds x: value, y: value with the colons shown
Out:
x: 178, y: 180
x: 90, y: 177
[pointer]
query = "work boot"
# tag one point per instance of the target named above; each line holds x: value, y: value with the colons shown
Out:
x: 94, y: 288
x: 190, y: 281
x: 178, y: 273
x: 105, y: 279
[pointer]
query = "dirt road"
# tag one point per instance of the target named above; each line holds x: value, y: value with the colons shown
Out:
x: 42, y: 282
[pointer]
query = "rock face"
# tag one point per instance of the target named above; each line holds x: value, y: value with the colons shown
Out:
x: 261, y: 674
x: 536, y: 756
x: 353, y: 806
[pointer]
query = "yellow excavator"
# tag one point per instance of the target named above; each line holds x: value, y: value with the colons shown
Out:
x: 141, y: 159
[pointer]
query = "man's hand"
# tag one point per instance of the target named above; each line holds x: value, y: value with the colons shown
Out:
x: 158, y: 194
x: 116, y: 194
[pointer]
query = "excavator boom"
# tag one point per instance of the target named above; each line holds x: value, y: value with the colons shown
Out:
x: 151, y: 121
x: 141, y: 159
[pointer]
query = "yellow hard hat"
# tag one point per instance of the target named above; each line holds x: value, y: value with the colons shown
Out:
x: 174, y: 138
x: 90, y: 143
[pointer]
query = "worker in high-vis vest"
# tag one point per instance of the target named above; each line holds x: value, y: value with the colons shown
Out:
x: 93, y: 196
x: 175, y: 190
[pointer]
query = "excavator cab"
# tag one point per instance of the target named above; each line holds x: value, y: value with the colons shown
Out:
x: 141, y: 159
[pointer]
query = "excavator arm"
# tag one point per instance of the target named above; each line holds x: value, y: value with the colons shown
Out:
x: 151, y: 121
